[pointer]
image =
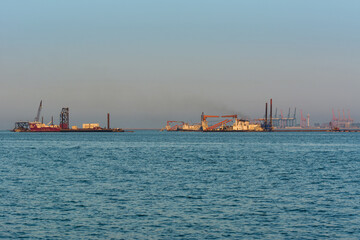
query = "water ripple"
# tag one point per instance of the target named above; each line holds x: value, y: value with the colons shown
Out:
x: 157, y: 185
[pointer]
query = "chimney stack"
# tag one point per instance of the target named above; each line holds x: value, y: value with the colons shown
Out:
x: 271, y: 113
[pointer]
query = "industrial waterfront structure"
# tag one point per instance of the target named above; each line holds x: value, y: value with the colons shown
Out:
x: 282, y: 121
x: 341, y: 122
x: 64, y: 126
x: 269, y: 123
x: 208, y: 123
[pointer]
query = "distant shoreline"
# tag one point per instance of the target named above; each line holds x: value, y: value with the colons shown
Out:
x: 142, y: 129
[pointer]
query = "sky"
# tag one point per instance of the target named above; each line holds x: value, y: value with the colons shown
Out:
x: 146, y: 62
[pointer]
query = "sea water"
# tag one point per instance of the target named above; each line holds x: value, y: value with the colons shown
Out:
x: 177, y: 185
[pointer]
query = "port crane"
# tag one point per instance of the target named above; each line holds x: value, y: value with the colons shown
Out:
x: 222, y: 123
x: 302, y: 120
x: 204, y: 117
x: 204, y: 123
x: 334, y: 121
x: 282, y: 125
x: 350, y: 119
x: 177, y: 125
x: 288, y: 119
x: 230, y: 116
x: 37, y: 118
x: 294, y: 118
x: 218, y: 124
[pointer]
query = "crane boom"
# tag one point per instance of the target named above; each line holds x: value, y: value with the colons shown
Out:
x: 38, y: 112
x: 218, y: 124
x: 204, y: 117
x: 176, y: 126
x: 232, y: 116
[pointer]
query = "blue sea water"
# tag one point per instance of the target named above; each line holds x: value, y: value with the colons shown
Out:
x: 176, y: 185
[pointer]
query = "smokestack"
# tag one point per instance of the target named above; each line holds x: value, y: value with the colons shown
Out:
x: 52, y: 120
x: 271, y: 113
x: 266, y: 108
x: 108, y: 120
x: 42, y: 119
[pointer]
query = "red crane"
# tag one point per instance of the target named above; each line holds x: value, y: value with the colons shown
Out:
x: 204, y: 117
x: 334, y: 119
x: 204, y: 122
x: 232, y: 116
x: 344, y: 118
x: 349, y: 118
x: 218, y: 124
x: 175, y: 127
x: 302, y: 120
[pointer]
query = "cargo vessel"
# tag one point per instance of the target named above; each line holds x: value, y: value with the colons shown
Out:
x: 41, y: 127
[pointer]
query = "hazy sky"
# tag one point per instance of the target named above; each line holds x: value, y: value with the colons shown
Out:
x: 146, y: 62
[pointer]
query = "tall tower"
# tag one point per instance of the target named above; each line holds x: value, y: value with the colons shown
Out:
x: 64, y: 118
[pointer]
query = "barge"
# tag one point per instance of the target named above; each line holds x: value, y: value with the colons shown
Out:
x: 64, y: 126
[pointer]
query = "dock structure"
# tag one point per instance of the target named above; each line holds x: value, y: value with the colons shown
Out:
x: 268, y: 123
x: 282, y: 122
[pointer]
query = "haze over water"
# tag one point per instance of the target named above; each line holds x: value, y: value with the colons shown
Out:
x: 177, y: 185
x: 147, y: 62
